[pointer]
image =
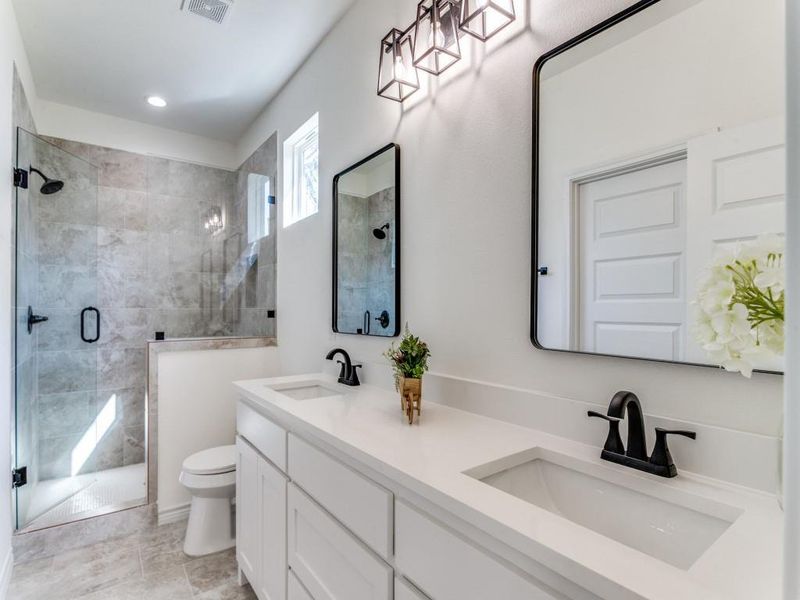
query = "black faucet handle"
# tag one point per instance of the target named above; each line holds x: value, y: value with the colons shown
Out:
x: 352, y: 378
x: 661, y: 456
x: 614, y: 440
x: 342, y: 369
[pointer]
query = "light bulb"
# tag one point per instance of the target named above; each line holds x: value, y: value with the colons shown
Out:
x: 399, y: 68
x: 436, y: 38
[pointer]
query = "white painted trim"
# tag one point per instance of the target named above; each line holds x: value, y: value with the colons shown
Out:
x: 791, y: 381
x: 5, y: 574
x: 174, y: 514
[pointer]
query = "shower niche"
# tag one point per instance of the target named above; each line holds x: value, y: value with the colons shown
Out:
x: 366, y: 246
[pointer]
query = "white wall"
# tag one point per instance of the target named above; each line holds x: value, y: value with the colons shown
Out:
x: 197, y: 407
x: 11, y: 51
x: 71, y: 123
x: 466, y: 154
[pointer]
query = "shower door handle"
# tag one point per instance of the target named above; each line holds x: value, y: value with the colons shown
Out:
x: 97, y: 324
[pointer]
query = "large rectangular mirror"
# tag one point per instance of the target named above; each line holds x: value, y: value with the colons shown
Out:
x: 659, y: 147
x: 366, y: 246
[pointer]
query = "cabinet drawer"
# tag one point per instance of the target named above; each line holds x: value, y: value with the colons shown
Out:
x: 296, y: 589
x: 329, y: 562
x: 446, y: 567
x: 362, y: 505
x: 404, y: 591
x: 267, y: 437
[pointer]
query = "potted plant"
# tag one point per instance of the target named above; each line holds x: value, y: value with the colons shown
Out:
x: 409, y: 363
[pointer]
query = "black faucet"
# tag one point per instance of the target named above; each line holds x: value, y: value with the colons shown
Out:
x: 348, y: 375
x: 634, y: 453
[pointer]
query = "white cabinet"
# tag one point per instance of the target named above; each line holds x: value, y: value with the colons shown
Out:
x: 405, y: 591
x: 296, y: 589
x: 330, y: 562
x: 265, y: 436
x: 260, y: 522
x: 247, y: 510
x: 446, y: 567
x: 363, y: 506
x: 271, y: 580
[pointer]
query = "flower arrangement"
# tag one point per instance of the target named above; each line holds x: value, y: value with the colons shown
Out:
x: 740, y: 305
x: 409, y: 359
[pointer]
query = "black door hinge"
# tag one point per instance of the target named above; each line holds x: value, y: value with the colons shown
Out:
x: 21, y: 178
x: 19, y: 477
x: 272, y: 200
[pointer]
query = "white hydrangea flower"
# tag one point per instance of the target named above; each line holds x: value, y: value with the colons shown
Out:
x: 739, y: 305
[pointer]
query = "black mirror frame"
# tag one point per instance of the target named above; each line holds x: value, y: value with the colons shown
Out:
x: 397, y: 230
x: 538, y: 271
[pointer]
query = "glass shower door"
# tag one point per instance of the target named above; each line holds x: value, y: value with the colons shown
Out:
x: 60, y: 419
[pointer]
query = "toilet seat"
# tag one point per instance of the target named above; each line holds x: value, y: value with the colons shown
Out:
x: 214, y: 461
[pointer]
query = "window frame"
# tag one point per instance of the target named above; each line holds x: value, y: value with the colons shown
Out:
x: 299, y: 203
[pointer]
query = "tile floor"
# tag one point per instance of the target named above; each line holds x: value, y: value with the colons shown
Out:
x: 148, y: 565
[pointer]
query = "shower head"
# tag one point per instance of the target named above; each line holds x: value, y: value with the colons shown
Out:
x: 50, y: 186
x: 380, y: 233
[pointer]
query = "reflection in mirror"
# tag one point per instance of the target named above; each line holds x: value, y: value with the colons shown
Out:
x: 660, y: 148
x: 366, y: 237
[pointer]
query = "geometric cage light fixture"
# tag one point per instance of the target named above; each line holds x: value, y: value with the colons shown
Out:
x: 431, y: 43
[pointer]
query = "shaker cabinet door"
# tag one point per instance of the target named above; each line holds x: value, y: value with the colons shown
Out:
x: 272, y: 532
x: 330, y: 562
x: 247, y: 511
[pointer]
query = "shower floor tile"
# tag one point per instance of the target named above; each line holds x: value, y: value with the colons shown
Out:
x: 87, y: 495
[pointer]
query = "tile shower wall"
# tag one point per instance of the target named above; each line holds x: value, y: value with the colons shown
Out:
x: 157, y: 269
x: 366, y: 264
x: 24, y: 248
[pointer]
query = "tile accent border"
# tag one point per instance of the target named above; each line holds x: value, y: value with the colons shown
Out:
x: 154, y: 348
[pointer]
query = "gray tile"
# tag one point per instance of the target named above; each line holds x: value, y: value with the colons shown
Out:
x: 66, y: 287
x: 122, y: 169
x: 55, y: 457
x: 164, y: 584
x: 111, y: 207
x: 61, y: 331
x: 67, y: 371
x: 67, y: 244
x: 122, y: 249
x: 228, y: 591
x: 133, y: 450
x: 210, y: 572
x: 123, y: 327
x: 120, y: 368
x: 63, y: 414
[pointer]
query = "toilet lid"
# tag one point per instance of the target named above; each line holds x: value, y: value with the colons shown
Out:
x: 212, y: 461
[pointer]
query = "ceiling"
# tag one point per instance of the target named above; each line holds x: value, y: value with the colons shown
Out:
x: 109, y: 55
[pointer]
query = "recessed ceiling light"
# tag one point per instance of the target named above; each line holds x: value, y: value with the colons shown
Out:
x: 156, y: 101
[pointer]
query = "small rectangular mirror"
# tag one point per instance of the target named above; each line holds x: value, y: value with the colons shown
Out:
x: 659, y: 153
x: 366, y: 246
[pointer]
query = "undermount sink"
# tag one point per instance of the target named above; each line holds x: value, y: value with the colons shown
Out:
x: 652, y: 517
x: 305, y: 390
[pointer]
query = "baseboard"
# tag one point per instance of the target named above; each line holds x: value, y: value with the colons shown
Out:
x: 174, y: 513
x: 5, y: 575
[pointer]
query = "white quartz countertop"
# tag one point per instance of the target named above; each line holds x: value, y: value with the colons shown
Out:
x: 429, y: 459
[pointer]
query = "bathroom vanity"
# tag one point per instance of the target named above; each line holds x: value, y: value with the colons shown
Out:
x: 337, y: 499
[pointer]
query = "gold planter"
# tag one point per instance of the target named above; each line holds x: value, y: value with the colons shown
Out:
x: 410, y: 397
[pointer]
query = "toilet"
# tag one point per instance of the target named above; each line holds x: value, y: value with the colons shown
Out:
x: 210, y: 477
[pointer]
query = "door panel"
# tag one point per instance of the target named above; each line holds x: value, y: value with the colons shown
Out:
x: 631, y: 249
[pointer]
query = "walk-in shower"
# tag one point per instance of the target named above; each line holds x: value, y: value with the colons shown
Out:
x: 79, y: 443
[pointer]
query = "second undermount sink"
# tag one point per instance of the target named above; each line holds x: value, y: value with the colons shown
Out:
x: 654, y: 518
x: 306, y: 390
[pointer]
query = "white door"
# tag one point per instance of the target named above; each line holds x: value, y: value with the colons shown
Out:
x: 247, y: 511
x: 631, y: 240
x: 330, y: 562
x: 296, y: 589
x: 272, y: 532
x: 737, y: 191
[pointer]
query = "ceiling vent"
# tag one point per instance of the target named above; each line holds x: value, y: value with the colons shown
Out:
x: 215, y: 10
